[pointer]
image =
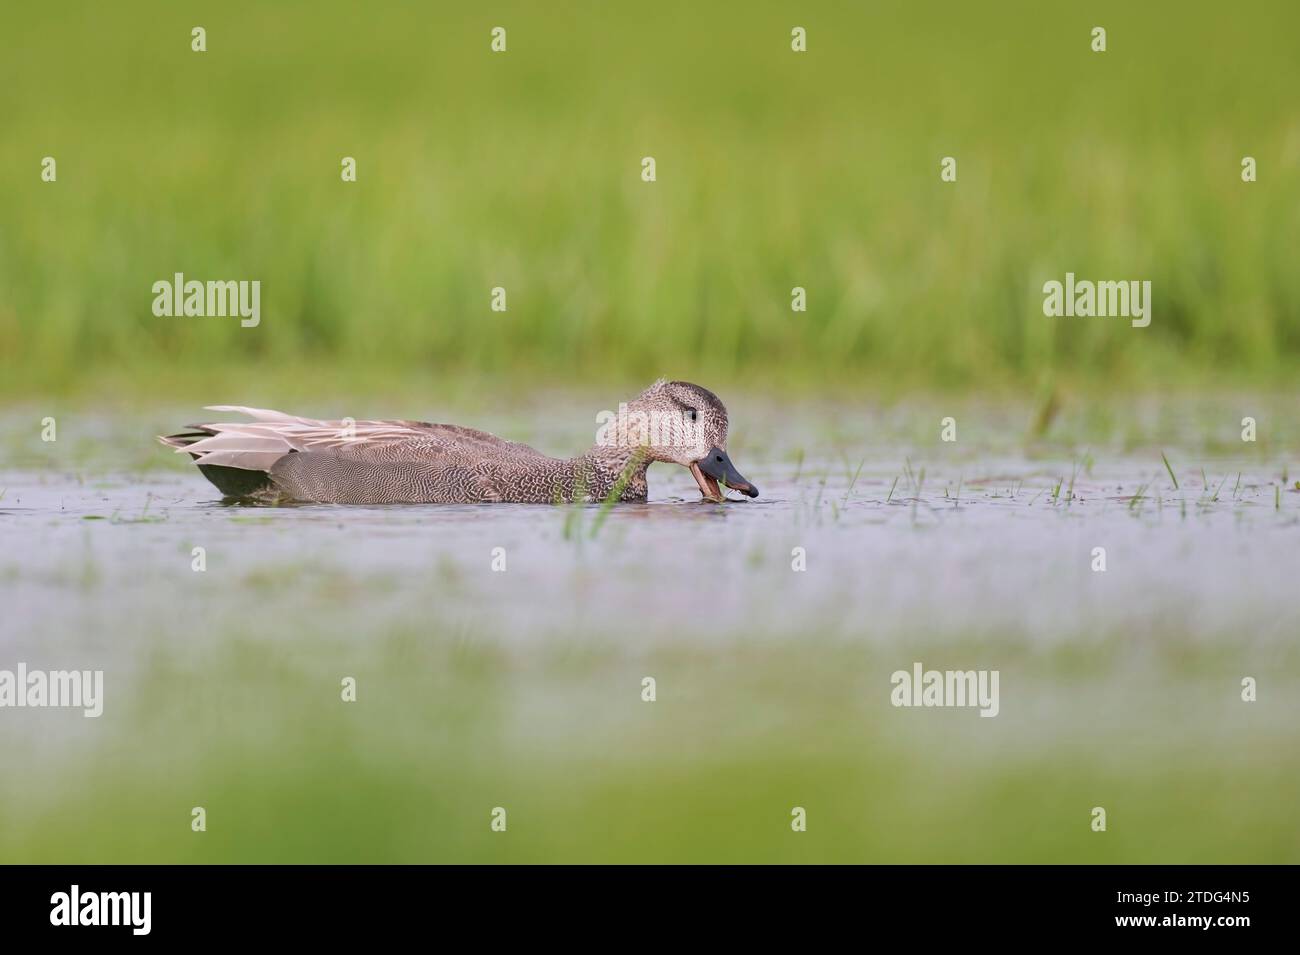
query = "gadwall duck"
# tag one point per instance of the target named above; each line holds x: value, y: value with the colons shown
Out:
x: 280, y: 457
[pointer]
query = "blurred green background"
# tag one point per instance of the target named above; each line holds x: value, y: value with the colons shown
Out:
x: 522, y: 170
x: 448, y: 726
x: 775, y: 170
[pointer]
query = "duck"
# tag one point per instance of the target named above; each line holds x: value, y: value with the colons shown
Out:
x: 282, y: 458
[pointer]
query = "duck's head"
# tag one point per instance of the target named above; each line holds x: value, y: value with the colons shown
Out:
x: 680, y: 423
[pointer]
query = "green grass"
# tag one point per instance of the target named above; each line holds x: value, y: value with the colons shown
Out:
x: 1170, y: 469
x: 521, y: 170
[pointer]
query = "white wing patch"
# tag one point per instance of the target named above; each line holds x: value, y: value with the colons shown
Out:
x: 256, y: 445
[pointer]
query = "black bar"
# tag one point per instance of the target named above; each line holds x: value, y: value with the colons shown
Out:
x: 977, y: 903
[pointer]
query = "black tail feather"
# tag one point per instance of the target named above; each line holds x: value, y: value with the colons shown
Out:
x: 236, y: 482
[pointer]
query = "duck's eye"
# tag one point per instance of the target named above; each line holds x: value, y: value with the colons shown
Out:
x: 691, y: 413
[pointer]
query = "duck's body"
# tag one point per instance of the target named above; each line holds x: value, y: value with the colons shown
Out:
x: 280, y: 457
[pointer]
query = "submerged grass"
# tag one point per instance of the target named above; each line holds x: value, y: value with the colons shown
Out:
x: 1135, y: 502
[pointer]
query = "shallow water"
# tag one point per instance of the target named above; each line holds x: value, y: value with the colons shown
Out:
x: 522, y: 677
x: 1004, y: 549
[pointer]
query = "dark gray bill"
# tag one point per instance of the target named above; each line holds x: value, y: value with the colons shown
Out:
x: 718, y: 466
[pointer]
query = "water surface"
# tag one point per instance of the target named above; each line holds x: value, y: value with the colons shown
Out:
x: 480, y: 686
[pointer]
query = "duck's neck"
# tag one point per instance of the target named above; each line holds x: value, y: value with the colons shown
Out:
x: 615, y: 471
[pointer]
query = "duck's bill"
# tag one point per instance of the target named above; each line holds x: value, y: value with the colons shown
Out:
x: 714, y: 467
